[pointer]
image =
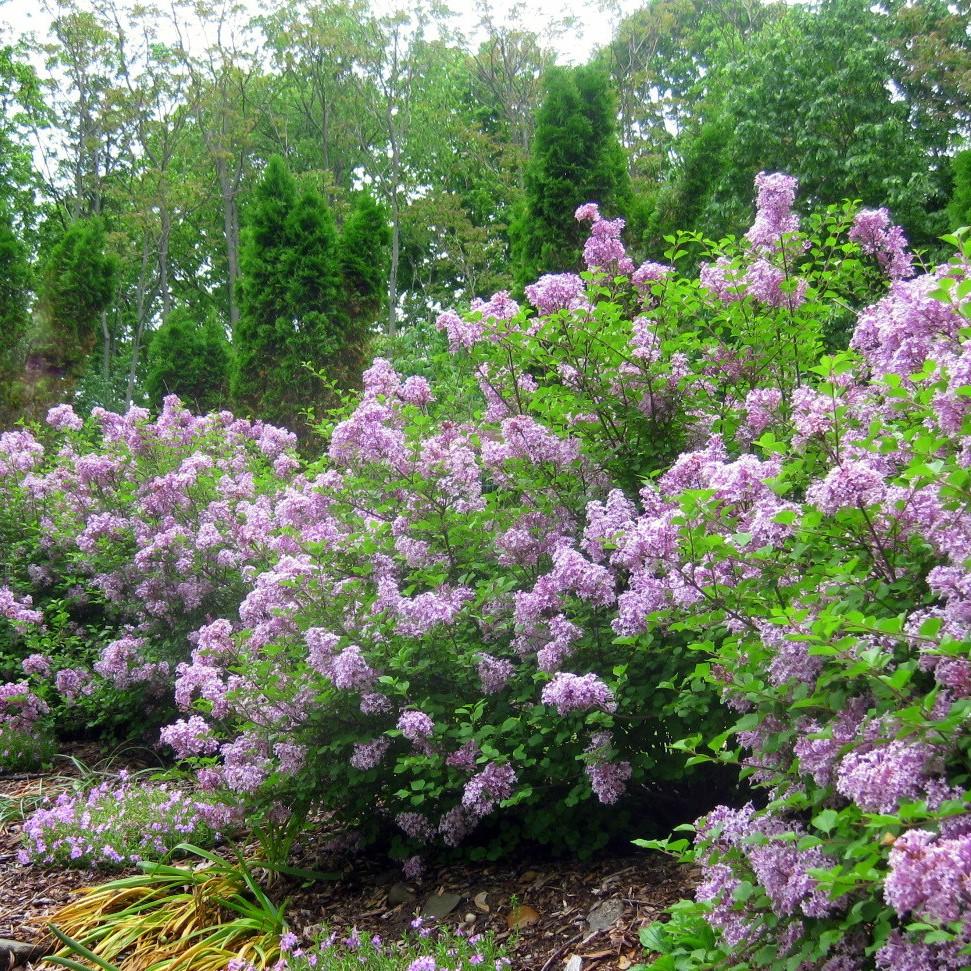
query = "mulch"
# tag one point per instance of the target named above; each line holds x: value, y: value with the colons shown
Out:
x: 544, y: 912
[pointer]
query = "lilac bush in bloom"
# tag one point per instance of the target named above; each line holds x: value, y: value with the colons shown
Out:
x: 484, y: 598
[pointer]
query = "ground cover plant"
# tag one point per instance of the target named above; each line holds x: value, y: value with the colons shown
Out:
x: 658, y: 524
x: 119, y: 822
x: 424, y: 948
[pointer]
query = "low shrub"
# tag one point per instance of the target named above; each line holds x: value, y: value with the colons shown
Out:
x: 828, y: 603
x: 119, y: 823
x: 24, y: 751
x: 424, y: 949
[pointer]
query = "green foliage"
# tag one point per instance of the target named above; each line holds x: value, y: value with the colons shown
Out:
x: 685, y: 940
x: 77, y: 284
x: 190, y: 359
x: 806, y: 94
x: 296, y: 308
x: 365, y: 238
x: 959, y: 208
x: 575, y: 158
x: 15, y: 280
x: 22, y: 751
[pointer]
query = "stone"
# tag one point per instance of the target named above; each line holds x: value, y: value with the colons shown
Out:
x: 440, y: 905
x: 400, y: 894
x: 605, y: 914
x: 521, y: 916
x: 15, y: 953
x: 574, y: 964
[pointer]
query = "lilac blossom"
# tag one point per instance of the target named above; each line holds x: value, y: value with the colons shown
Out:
x: 879, y: 779
x: 488, y: 788
x: 879, y: 238
x: 573, y: 692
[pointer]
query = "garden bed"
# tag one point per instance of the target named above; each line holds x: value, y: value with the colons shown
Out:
x: 543, y: 912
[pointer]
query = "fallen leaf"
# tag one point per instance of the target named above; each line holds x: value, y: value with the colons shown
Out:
x: 521, y: 916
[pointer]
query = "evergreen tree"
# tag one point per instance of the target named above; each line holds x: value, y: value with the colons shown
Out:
x: 316, y: 329
x: 76, y: 287
x: 364, y: 243
x: 575, y: 158
x: 263, y: 286
x: 189, y: 359
x: 290, y: 313
x: 959, y: 208
x: 14, y: 319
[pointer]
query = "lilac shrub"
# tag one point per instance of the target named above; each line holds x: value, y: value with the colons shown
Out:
x: 452, y: 625
x: 823, y: 573
x: 124, y: 535
x: 118, y: 823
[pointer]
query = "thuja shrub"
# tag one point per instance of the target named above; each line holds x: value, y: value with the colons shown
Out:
x: 455, y: 625
x: 828, y: 569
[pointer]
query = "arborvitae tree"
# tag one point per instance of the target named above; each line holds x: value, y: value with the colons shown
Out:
x: 263, y: 286
x: 315, y: 331
x: 575, y: 158
x: 364, y: 243
x: 14, y: 316
x: 191, y: 359
x: 290, y: 313
x: 77, y: 284
x: 959, y: 208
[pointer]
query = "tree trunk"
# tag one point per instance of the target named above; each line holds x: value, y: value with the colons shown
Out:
x: 141, y: 303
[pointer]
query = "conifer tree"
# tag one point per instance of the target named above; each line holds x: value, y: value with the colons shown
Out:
x: 364, y: 243
x: 575, y: 158
x: 77, y: 285
x: 190, y: 359
x: 290, y: 313
x: 14, y: 319
x: 263, y: 287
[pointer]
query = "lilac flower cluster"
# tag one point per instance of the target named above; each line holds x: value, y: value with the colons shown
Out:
x: 572, y: 692
x: 879, y: 238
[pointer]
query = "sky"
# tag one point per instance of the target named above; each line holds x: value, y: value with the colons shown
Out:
x: 594, y: 19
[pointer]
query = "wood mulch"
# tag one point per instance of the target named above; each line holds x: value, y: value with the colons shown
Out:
x: 544, y: 912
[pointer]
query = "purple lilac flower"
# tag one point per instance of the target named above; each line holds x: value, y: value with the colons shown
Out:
x: 367, y: 755
x: 483, y: 791
x: 573, y: 692
x: 63, y: 417
x: 413, y: 868
x: 39, y: 664
x: 609, y: 780
x: 877, y: 780
x: 494, y: 673
x: 902, y: 953
x: 877, y: 237
x: 192, y: 736
x: 416, y: 726
x: 350, y: 671
x: 775, y: 195
x: 415, y: 825
x: 930, y: 876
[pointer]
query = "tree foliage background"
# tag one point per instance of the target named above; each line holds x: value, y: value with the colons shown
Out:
x: 427, y: 169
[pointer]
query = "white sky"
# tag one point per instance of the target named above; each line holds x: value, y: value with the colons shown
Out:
x: 595, y: 19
